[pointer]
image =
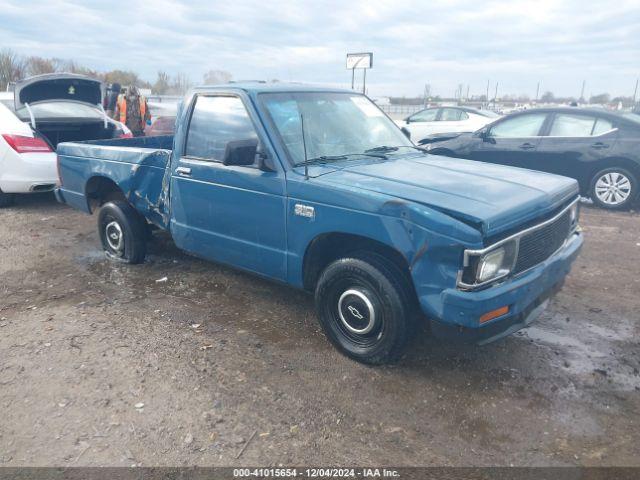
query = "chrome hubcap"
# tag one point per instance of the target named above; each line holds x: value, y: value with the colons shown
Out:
x: 613, y: 188
x: 114, y: 235
x: 356, y: 312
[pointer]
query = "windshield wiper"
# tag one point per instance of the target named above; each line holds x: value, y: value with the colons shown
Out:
x: 388, y: 148
x: 322, y: 159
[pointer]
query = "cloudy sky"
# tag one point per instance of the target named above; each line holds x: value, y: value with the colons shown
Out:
x: 443, y: 43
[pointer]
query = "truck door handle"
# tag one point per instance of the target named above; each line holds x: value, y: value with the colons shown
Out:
x: 599, y: 145
x: 527, y: 146
x: 183, y: 171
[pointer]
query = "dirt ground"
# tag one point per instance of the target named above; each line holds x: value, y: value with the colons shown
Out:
x: 183, y: 362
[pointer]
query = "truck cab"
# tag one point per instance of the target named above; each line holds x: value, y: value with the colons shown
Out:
x: 317, y: 188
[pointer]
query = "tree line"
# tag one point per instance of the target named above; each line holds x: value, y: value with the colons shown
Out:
x: 547, y: 97
x: 14, y: 67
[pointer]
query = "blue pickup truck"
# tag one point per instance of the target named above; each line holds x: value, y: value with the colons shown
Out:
x: 317, y: 188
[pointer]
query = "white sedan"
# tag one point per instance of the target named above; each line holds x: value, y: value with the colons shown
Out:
x: 438, y: 120
x: 43, y: 111
x: 27, y: 162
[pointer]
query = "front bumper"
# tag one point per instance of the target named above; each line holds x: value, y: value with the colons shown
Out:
x: 526, y: 295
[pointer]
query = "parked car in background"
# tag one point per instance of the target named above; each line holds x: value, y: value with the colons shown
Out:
x: 65, y: 107
x: 317, y: 188
x: 41, y: 112
x: 600, y: 149
x: 27, y: 160
x: 163, y: 118
x: 444, y: 120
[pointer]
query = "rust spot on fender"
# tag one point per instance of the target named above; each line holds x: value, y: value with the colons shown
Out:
x: 419, y: 254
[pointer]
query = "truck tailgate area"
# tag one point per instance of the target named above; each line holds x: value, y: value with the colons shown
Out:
x: 135, y: 165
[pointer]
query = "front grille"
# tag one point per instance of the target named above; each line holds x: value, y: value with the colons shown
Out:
x: 540, y: 244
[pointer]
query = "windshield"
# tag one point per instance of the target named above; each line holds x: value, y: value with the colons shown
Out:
x: 60, y: 110
x: 335, y: 124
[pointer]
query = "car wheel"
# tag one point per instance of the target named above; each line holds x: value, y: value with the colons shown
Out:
x: 122, y: 232
x: 365, y: 307
x: 6, y: 199
x: 614, y: 188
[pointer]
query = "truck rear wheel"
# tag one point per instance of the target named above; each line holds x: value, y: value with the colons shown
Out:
x: 122, y: 232
x: 6, y: 199
x: 365, y: 308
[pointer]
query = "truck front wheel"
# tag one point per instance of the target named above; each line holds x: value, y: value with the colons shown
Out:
x: 364, y: 306
x: 122, y: 232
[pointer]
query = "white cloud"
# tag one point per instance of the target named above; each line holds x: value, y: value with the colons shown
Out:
x: 440, y: 42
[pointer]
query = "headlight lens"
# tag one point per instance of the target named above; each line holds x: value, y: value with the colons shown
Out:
x: 492, y: 265
x: 575, y: 214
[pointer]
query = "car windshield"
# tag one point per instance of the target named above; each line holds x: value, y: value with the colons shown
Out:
x: 335, y: 125
x: 60, y: 110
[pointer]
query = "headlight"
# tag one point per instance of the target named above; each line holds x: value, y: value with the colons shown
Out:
x: 482, y: 268
x: 574, y: 211
x: 491, y: 265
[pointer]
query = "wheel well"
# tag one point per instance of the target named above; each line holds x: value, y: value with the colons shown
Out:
x: 608, y: 163
x: 100, y: 190
x: 328, y: 247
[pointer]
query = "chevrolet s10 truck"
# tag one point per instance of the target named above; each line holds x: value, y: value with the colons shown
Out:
x: 317, y: 188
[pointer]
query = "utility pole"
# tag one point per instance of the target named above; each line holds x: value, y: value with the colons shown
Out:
x: 537, y: 91
x: 486, y: 98
x: 581, y: 99
x: 495, y: 97
x: 635, y: 92
x: 467, y: 97
x: 364, y: 81
x: 427, y: 93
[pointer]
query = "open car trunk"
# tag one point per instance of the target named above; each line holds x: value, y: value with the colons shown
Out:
x: 57, y: 131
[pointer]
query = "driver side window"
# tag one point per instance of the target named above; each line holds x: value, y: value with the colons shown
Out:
x: 520, y: 126
x: 216, y: 121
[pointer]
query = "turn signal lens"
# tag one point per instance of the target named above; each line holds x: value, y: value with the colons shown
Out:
x: 498, y: 312
x: 22, y: 144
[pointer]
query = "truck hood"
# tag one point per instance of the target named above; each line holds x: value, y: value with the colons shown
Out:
x: 57, y: 86
x: 494, y: 198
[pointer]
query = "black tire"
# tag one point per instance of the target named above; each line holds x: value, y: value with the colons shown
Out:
x: 604, y: 197
x: 379, y: 333
x: 6, y: 199
x: 122, y: 232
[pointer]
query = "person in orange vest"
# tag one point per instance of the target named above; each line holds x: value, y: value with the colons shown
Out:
x: 133, y: 111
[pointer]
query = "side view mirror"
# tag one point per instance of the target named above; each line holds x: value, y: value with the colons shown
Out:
x: 241, y: 152
x: 408, y: 119
x: 484, y: 134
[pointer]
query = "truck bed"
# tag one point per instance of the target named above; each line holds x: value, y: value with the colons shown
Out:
x: 136, y: 165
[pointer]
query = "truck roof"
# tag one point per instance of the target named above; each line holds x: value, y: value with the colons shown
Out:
x: 261, y: 87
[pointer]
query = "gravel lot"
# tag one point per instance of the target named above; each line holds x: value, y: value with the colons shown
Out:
x: 183, y: 362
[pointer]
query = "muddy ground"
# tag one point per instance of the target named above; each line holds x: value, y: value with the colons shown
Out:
x: 105, y: 364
